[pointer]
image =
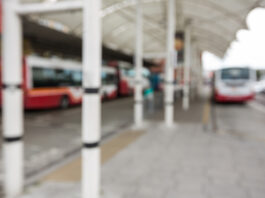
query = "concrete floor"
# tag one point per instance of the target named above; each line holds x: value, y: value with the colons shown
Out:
x: 185, y: 161
x: 47, y: 131
x: 240, y: 120
x: 53, y: 135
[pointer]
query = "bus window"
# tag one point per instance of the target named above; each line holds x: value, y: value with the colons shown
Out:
x: 77, y: 78
x: 69, y: 78
x: 63, y: 77
x: 43, y: 77
x: 110, y: 79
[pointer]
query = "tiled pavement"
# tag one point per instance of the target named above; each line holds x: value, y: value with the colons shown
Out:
x: 182, y: 162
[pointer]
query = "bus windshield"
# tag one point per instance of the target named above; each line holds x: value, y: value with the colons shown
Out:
x: 235, y: 74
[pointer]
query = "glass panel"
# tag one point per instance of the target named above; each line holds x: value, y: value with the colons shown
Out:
x: 235, y: 73
x: 45, y: 77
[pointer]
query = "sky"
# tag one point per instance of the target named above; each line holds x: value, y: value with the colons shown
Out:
x: 249, y: 49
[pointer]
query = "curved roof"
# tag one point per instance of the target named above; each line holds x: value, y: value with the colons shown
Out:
x: 214, y: 23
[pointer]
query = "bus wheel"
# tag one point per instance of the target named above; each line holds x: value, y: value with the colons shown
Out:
x: 64, y: 104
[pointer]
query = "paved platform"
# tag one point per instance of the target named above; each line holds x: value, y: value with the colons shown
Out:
x: 47, y: 131
x: 44, y: 129
x: 192, y: 160
x: 182, y: 162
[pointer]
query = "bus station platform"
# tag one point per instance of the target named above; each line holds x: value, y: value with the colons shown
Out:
x: 211, y: 151
x: 189, y: 160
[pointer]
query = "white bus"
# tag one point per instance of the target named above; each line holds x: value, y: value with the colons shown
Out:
x: 234, y: 84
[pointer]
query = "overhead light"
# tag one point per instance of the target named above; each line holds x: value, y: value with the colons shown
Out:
x: 50, y: 1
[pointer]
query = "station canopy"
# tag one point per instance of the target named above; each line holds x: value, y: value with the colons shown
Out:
x: 214, y: 23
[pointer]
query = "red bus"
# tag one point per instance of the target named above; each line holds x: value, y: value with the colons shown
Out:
x: 124, y: 87
x: 52, y: 82
x: 126, y: 78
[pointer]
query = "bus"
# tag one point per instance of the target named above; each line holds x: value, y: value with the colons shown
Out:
x: 124, y: 88
x: 234, y: 84
x: 130, y: 76
x: 126, y: 77
x: 53, y: 82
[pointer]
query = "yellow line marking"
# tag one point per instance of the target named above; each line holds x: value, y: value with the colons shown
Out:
x: 71, y: 172
x: 206, y: 113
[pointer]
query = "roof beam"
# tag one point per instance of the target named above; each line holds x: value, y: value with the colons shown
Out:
x: 218, y: 8
x: 214, y: 44
x: 129, y: 17
x: 206, y: 47
x: 156, y: 55
x: 210, y: 32
x: 42, y: 8
x: 123, y: 5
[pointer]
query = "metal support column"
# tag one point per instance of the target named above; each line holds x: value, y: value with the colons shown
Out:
x: 199, y: 61
x: 169, y: 71
x: 194, y: 71
x: 138, y: 95
x: 91, y: 107
x: 13, y: 118
x: 198, y: 70
x: 187, y: 65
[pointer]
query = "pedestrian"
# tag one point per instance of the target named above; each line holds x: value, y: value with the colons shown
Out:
x: 149, y: 99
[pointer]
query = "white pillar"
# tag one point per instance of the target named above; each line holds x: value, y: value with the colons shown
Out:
x: 169, y: 70
x: 91, y: 107
x: 193, y: 71
x: 187, y: 64
x: 138, y: 95
x: 199, y: 61
x: 197, y: 69
x: 12, y: 100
